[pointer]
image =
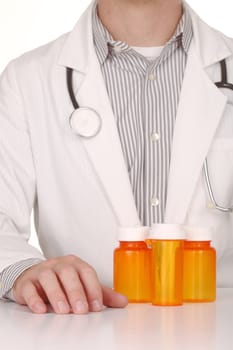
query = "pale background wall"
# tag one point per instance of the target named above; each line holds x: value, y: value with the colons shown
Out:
x: 26, y: 24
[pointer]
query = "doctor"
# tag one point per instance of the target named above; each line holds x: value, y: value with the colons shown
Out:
x: 145, y: 71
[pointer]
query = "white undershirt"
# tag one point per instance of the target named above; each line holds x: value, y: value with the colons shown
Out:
x: 150, y: 53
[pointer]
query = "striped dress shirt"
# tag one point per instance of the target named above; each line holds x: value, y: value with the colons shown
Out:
x: 144, y: 96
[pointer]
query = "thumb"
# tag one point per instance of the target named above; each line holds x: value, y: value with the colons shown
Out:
x: 113, y: 299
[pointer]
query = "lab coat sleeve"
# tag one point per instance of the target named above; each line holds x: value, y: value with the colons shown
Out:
x: 17, y: 175
x: 10, y: 275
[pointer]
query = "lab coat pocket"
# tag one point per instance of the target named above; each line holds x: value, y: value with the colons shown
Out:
x: 225, y: 263
x: 222, y: 144
x: 225, y: 128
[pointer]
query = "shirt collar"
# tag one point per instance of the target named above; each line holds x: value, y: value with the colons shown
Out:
x: 104, y: 42
x: 184, y: 31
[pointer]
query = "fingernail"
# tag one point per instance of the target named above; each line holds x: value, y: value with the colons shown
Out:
x: 80, y: 307
x: 96, y: 305
x: 62, y: 307
x: 39, y: 307
x: 124, y: 299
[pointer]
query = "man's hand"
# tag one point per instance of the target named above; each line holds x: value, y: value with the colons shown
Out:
x: 68, y: 284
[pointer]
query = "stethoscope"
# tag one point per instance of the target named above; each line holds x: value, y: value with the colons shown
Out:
x: 87, y: 123
x: 84, y: 121
x: 213, y: 203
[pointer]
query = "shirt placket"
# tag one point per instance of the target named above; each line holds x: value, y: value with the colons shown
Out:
x: 155, y: 159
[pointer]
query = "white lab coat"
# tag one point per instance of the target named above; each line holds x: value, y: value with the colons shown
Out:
x: 79, y: 187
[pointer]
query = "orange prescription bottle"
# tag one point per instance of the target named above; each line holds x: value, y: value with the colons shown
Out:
x: 167, y: 243
x: 132, y: 264
x: 199, y: 266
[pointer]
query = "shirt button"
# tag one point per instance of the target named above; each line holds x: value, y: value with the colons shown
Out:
x: 117, y: 49
x: 155, y: 136
x: 155, y: 202
x: 152, y: 77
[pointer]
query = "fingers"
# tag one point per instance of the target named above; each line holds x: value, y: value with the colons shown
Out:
x: 68, y: 284
x: 74, y: 289
x: 32, y: 298
x: 92, y: 288
x: 113, y: 299
x: 52, y: 288
x: 82, y: 287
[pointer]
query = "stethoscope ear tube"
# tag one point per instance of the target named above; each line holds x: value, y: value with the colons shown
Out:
x: 224, y: 83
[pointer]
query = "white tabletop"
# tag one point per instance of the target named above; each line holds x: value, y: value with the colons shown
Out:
x: 188, y: 327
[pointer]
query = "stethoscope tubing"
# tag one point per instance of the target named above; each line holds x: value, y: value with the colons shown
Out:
x: 69, y: 81
x: 210, y: 191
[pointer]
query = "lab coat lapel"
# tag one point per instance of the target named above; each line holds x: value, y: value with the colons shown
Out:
x: 104, y: 150
x: 200, y: 109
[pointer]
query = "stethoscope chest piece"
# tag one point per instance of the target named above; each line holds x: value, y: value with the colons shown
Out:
x: 85, y: 122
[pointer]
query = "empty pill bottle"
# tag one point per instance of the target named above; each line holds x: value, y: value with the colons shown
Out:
x: 167, y: 242
x: 199, y: 266
x: 132, y: 264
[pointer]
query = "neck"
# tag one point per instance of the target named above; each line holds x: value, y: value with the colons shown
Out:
x: 140, y: 22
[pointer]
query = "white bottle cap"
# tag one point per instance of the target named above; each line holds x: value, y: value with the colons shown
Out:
x: 198, y: 233
x: 167, y: 232
x: 132, y: 234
